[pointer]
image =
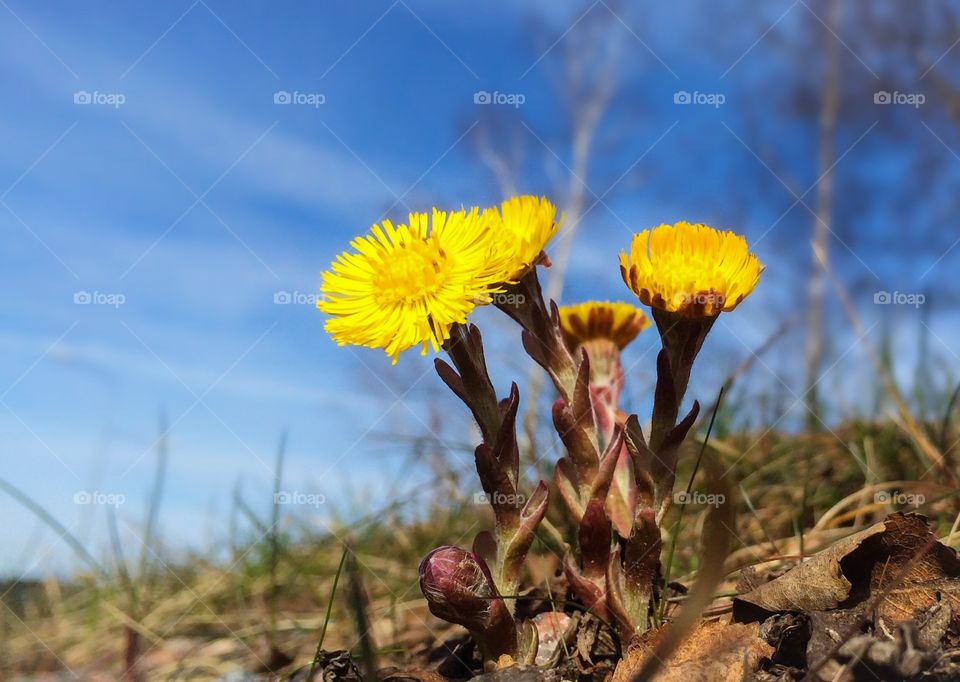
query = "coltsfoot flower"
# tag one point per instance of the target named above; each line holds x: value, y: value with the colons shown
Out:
x: 522, y: 227
x: 603, y: 330
x: 406, y: 285
x: 693, y: 270
x: 593, y: 320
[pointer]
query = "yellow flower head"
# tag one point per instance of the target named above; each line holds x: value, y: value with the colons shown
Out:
x: 407, y: 285
x: 618, y: 322
x: 522, y: 228
x: 693, y: 270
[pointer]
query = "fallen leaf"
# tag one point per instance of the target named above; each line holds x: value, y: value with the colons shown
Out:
x: 720, y: 652
x: 932, y: 626
x: 750, y: 579
x: 817, y: 584
x: 595, y: 641
x: 414, y: 676
x: 865, y: 657
x: 555, y: 629
x: 514, y: 674
x: 788, y: 633
x: 898, y: 558
x: 913, y: 580
x: 828, y: 629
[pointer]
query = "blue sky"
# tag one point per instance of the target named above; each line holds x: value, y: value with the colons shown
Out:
x: 184, y: 202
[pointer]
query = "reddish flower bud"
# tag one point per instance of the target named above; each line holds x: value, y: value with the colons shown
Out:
x: 459, y: 589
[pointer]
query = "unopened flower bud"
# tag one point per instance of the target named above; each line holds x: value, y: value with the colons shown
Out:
x: 459, y: 589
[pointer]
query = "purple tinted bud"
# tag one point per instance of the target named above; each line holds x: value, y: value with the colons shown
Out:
x: 459, y: 589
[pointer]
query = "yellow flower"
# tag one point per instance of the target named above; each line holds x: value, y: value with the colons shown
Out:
x: 693, y: 270
x: 522, y: 228
x: 618, y: 322
x: 405, y: 286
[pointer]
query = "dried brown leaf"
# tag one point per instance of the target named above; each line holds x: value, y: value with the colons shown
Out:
x: 897, y: 559
x: 725, y: 652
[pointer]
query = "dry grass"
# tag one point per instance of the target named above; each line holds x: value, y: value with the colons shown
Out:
x: 198, y: 619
